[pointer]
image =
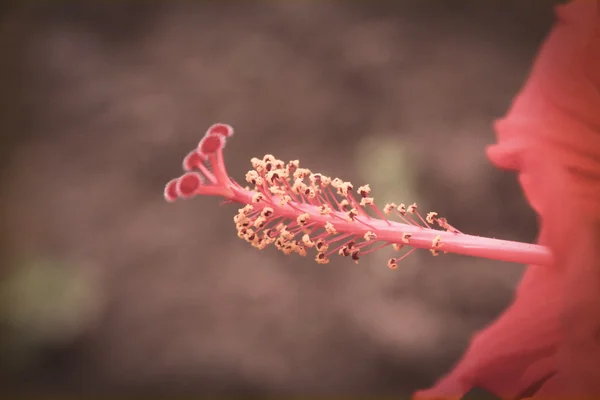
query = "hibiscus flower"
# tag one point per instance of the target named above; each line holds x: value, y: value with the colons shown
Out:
x: 547, y: 343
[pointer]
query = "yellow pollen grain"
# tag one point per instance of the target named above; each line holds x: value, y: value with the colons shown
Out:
x: 367, y: 201
x: 257, y: 197
x: 303, y: 219
x: 247, y: 209
x: 370, y: 236
x: 272, y: 176
x: 260, y: 222
x: 321, y: 258
x: 315, y: 179
x: 284, y: 200
x: 431, y: 217
x: 252, y: 176
x: 321, y: 245
x: 301, y: 173
x: 389, y: 207
x: 307, y: 241
x: 324, y: 210
x: 364, y: 190
x: 301, y: 250
x: 402, y: 209
x: 330, y: 228
x: 351, y: 215
x: 392, y: 263
x: 437, y: 241
x: 267, y: 212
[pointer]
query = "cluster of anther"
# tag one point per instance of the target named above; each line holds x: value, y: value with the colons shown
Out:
x: 295, y: 209
x: 315, y: 203
x: 282, y: 185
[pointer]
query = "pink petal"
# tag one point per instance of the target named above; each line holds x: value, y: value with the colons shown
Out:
x: 499, y: 355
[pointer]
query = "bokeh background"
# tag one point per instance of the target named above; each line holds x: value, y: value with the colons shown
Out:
x: 107, y: 289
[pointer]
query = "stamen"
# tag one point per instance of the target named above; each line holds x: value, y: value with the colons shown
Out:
x: 288, y: 201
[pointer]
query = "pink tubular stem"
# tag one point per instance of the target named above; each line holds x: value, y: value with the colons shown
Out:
x: 420, y: 237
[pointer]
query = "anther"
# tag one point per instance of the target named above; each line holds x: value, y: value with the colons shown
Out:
x: 307, y: 241
x: 389, y: 208
x: 321, y: 245
x: 293, y: 165
x: 302, y: 219
x: 301, y: 173
x: 344, y: 204
x: 364, y: 190
x: 288, y: 248
x: 325, y: 181
x: 402, y: 209
x: 367, y: 201
x: 324, y: 210
x: 330, y: 228
x: 267, y: 212
x: 256, y: 162
x: 260, y: 222
x: 252, y: 177
x: 247, y: 209
x: 301, y: 250
x: 406, y: 237
x: 321, y: 258
x: 344, y: 251
x: 310, y: 193
x: 272, y: 176
x: 370, y: 236
x: 285, y: 234
x: 257, y: 197
x: 344, y: 188
x: 284, y: 200
x: 392, y: 263
x: 315, y: 179
x: 351, y: 215
x: 249, y: 234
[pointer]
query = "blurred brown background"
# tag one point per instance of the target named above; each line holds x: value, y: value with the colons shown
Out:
x: 108, y: 289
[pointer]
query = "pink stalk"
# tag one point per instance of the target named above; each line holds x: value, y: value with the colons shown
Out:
x: 313, y: 210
